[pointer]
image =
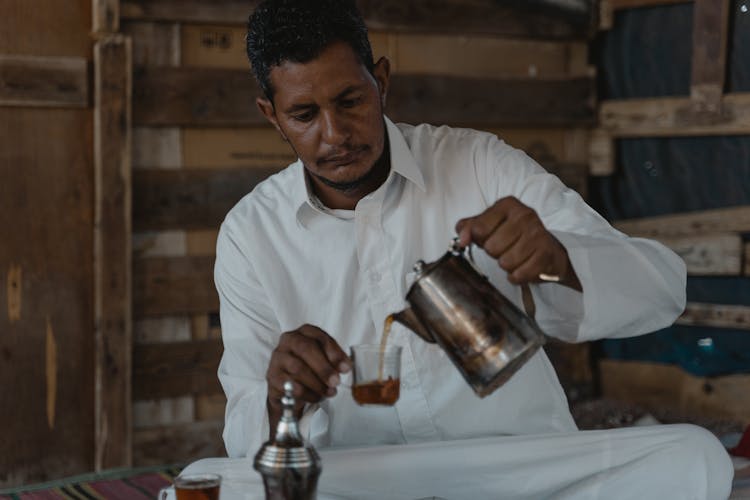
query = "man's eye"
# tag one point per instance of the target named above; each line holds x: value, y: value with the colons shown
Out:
x: 303, y: 117
x: 350, y: 103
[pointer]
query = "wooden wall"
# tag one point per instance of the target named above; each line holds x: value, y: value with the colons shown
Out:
x: 709, y: 241
x: 199, y: 144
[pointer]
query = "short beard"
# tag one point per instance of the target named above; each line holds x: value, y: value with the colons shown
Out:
x: 351, y: 186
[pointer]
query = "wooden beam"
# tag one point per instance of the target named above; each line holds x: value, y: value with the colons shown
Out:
x: 112, y: 251
x: 746, y: 270
x: 663, y: 388
x: 105, y: 16
x: 43, y: 81
x: 716, y: 316
x: 190, y: 199
x: 721, y: 220
x: 709, y: 255
x: 601, y: 153
x: 510, y: 19
x: 675, y: 116
x: 215, y: 97
x: 173, y: 285
x: 176, y: 369
x: 491, y: 102
x: 182, y: 443
x: 710, y: 34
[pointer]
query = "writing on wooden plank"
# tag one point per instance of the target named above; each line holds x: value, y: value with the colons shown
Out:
x: 43, y: 81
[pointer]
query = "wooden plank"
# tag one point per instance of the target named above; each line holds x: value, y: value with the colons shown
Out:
x: 176, y: 369
x: 540, y: 19
x: 189, y: 199
x: 161, y: 330
x: 675, y: 116
x: 154, y: 44
x: 601, y: 153
x: 709, y: 255
x: 210, y: 407
x: 163, y: 412
x: 105, y: 16
x: 659, y: 387
x: 112, y: 251
x: 716, y: 316
x: 157, y: 147
x: 216, y: 97
x: 476, y: 56
x: 746, y: 270
x: 710, y: 34
x: 47, y: 336
x: 178, y: 443
x: 179, y: 285
x: 43, y: 81
x: 202, y: 242
x: 491, y: 102
x: 46, y: 256
x: 721, y: 220
x: 159, y: 244
x: 209, y: 148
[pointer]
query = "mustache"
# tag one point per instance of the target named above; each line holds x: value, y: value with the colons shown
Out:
x: 341, y: 152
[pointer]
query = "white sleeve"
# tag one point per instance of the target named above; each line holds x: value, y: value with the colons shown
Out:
x: 631, y: 286
x: 250, y: 332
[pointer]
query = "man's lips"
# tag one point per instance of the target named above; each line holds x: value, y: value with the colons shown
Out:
x: 344, y: 159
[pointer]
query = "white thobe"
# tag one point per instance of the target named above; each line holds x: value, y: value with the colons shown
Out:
x: 283, y: 261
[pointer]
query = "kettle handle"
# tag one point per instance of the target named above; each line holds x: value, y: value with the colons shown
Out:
x: 526, y: 297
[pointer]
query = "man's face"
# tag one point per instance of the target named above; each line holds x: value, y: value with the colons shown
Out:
x: 330, y: 110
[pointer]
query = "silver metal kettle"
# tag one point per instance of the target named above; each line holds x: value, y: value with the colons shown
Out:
x: 485, y: 335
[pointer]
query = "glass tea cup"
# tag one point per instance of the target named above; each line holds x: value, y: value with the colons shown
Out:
x: 376, y: 374
x: 195, y: 487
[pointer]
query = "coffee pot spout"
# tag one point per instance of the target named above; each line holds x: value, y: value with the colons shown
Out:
x: 409, y: 319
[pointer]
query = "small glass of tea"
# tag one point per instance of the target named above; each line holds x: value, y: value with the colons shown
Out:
x: 197, y: 487
x: 376, y: 374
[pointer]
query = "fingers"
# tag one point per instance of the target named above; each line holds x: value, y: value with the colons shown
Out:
x: 311, y: 360
x: 512, y: 233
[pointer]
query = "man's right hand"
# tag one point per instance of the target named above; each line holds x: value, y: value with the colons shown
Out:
x: 312, y: 361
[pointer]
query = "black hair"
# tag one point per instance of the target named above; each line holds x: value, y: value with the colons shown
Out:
x: 299, y: 30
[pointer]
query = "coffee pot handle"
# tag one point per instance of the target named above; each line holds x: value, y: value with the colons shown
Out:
x: 526, y: 297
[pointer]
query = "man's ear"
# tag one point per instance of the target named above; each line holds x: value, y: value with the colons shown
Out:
x: 266, y: 108
x: 382, y: 73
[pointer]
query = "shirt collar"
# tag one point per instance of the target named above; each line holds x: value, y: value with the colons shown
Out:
x: 402, y: 163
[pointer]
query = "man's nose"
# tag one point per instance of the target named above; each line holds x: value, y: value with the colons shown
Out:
x: 335, y: 130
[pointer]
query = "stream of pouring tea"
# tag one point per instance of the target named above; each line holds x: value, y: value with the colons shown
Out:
x: 386, y: 331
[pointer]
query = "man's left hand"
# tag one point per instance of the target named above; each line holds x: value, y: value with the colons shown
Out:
x: 512, y: 233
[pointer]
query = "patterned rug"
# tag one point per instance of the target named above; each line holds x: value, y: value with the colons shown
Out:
x: 115, y: 484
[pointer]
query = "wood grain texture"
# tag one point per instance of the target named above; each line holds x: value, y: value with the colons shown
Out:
x: 178, y: 285
x: 709, y: 255
x: 176, y: 369
x: 105, y: 17
x: 538, y: 19
x: 675, y: 116
x: 189, y: 199
x: 708, y: 68
x: 112, y: 251
x: 722, y: 220
x: 225, y: 97
x: 178, y: 443
x: 43, y: 81
x: 716, y: 316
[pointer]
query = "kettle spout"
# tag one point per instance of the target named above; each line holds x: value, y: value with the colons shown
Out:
x: 409, y: 319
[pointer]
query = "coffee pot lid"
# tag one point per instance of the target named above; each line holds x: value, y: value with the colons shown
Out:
x: 287, y: 450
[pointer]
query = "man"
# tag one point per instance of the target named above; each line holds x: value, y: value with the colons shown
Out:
x: 314, y: 259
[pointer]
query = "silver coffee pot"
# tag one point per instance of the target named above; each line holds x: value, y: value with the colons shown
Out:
x: 485, y: 335
x: 290, y: 467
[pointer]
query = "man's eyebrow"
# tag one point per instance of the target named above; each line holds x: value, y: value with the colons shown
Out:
x: 298, y: 107
x: 347, y: 90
